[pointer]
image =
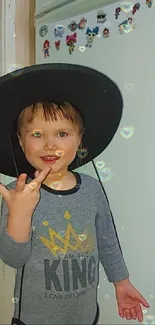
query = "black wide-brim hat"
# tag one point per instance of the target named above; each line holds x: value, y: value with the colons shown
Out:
x: 96, y: 96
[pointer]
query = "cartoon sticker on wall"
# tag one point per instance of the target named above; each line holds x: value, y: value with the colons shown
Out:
x: 73, y: 26
x: 126, y: 26
x: 127, y: 7
x: 46, y: 47
x: 149, y: 3
x: 70, y: 42
x: 59, y: 30
x: 43, y: 30
x: 91, y: 34
x: 106, y: 33
x: 101, y: 17
x: 57, y: 45
x: 117, y: 12
x: 135, y: 8
x: 82, y: 24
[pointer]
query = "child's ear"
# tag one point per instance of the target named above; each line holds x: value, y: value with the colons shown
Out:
x: 20, y: 141
x: 79, y: 143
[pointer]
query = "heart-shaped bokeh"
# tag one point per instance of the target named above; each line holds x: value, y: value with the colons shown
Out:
x: 128, y: 28
x: 100, y: 164
x: 59, y: 153
x: 15, y: 69
x: 106, y: 24
x: 45, y: 223
x: 82, y: 48
x: 82, y: 153
x: 126, y: 6
x: 61, y: 255
x: 56, y: 185
x: 144, y: 311
x: 82, y: 237
x: 127, y: 132
x: 129, y: 86
x: 106, y: 175
x: 62, y: 233
x: 15, y: 300
x: 149, y: 320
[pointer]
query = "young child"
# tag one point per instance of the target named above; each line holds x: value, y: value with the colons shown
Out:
x: 56, y: 224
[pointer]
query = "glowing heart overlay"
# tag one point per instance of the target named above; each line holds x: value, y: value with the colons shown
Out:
x: 106, y: 175
x: 59, y: 153
x: 82, y: 153
x: 56, y: 185
x: 82, y: 48
x: 100, y: 164
x: 127, y: 132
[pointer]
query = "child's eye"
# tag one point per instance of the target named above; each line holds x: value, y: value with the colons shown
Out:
x: 62, y: 133
x: 36, y: 133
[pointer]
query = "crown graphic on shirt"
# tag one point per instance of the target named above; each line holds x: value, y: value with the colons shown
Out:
x: 84, y: 242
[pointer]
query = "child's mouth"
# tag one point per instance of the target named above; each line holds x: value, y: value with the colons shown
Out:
x: 50, y: 159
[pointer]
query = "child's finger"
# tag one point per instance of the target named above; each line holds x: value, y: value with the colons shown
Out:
x: 4, y: 192
x: 43, y: 174
x: 36, y: 173
x: 20, y: 184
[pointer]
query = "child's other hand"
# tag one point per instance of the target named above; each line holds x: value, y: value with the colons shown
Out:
x: 22, y: 200
x: 129, y: 300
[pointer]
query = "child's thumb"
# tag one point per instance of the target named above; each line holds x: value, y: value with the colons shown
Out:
x: 4, y: 192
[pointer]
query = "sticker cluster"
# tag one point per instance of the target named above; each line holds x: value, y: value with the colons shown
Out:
x: 69, y: 35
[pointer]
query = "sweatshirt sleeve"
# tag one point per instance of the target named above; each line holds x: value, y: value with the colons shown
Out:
x: 110, y: 254
x: 12, y: 253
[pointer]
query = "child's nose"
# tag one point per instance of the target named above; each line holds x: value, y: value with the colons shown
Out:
x: 50, y: 144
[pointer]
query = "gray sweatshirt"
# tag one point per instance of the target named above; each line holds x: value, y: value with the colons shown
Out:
x: 72, y: 231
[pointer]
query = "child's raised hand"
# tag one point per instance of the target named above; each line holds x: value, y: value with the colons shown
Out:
x: 22, y: 200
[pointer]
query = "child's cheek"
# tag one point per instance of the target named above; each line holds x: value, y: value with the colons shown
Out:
x: 33, y: 145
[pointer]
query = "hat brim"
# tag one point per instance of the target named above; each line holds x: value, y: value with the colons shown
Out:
x: 95, y: 95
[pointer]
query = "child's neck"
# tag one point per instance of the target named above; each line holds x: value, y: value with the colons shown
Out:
x: 67, y: 181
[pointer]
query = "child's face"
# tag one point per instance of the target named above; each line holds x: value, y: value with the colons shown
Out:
x: 43, y: 138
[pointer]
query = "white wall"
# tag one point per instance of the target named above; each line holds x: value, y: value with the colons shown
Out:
x: 129, y: 60
x: 65, y: 9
